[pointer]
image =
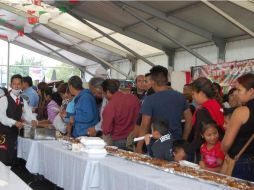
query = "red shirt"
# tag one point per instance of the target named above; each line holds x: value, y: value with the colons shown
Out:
x: 210, y: 156
x: 120, y: 115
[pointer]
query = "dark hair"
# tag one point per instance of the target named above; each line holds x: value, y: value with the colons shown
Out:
x: 147, y: 74
x: 5, y: 90
x: 216, y: 86
x: 42, y: 86
x: 76, y: 82
x: 207, y: 124
x: 117, y: 82
x: 169, y: 84
x: 110, y: 85
x: 68, y: 90
x: 228, y: 111
x: 225, y: 98
x: 54, y: 95
x: 159, y: 74
x: 180, y: 143
x: 48, y: 91
x: 161, y: 125
x: 231, y: 91
x: 62, y: 88
x: 28, y: 80
x: 187, y: 85
x: 247, y: 81
x: 204, y: 85
x: 17, y: 76
x: 96, y: 82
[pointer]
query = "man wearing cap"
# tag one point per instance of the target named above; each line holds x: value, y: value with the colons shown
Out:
x: 12, y: 106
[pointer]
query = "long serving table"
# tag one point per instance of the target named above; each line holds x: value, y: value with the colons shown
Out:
x: 10, y: 181
x: 76, y: 171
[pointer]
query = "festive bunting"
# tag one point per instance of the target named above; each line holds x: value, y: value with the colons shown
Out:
x: 37, y: 2
x: 54, y: 13
x: 73, y: 1
x: 2, y: 21
x: 21, y: 33
x: 3, y: 36
x: 42, y: 12
x: 63, y: 9
x: 44, y: 19
x: 31, y: 12
x: 26, y: 4
x: 33, y: 20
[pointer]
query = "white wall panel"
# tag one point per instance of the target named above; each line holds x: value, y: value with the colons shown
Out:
x: 184, y: 60
x: 240, y: 50
x: 237, y: 50
x: 143, y: 68
x: 178, y: 80
x: 122, y: 65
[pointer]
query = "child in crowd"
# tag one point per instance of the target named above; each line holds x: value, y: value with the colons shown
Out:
x: 211, y: 154
x: 227, y: 116
x: 161, y: 144
x: 179, y: 152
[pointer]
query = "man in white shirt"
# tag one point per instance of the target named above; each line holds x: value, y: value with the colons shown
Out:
x: 14, y: 111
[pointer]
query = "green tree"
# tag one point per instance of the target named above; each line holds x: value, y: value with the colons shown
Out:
x: 62, y: 73
x: 22, y: 66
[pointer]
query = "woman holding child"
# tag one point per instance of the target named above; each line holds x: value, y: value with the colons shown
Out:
x: 208, y: 109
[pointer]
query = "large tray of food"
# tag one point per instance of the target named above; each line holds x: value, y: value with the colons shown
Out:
x: 226, y: 182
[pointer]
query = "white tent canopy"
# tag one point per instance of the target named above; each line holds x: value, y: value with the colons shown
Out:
x: 139, y: 29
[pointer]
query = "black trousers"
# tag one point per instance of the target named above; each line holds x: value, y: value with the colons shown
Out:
x: 8, y: 148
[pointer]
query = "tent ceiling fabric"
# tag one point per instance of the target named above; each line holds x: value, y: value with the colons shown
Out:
x: 190, y: 22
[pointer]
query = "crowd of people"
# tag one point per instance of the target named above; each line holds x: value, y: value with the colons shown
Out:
x: 200, y: 125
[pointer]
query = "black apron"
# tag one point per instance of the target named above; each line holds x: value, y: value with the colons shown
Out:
x: 9, y: 135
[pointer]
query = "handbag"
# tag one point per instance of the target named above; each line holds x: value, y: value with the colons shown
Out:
x: 229, y: 163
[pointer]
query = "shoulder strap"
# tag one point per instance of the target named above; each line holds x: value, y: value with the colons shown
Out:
x: 244, y: 147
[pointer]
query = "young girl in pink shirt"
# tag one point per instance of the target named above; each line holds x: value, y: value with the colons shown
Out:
x: 211, y: 154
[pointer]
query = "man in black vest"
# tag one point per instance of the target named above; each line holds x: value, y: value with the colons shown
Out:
x: 11, y: 108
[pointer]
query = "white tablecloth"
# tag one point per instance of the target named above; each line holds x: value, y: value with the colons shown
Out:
x: 75, y: 171
x: 14, y: 182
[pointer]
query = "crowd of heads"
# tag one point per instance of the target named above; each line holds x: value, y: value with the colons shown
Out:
x: 196, y: 94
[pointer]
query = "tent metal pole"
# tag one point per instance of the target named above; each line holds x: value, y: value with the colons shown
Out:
x: 44, y: 45
x: 8, y: 65
x: 100, y: 60
x: 228, y: 17
x: 110, y: 38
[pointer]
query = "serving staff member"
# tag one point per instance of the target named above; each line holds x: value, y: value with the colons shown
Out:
x: 12, y: 106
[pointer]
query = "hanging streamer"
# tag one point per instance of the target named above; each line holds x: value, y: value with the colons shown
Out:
x: 37, y: 2
x: 3, y: 36
x: 21, y: 33
x: 73, y: 1
x: 33, y: 20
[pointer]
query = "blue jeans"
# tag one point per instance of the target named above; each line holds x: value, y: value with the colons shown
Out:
x: 244, y: 168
